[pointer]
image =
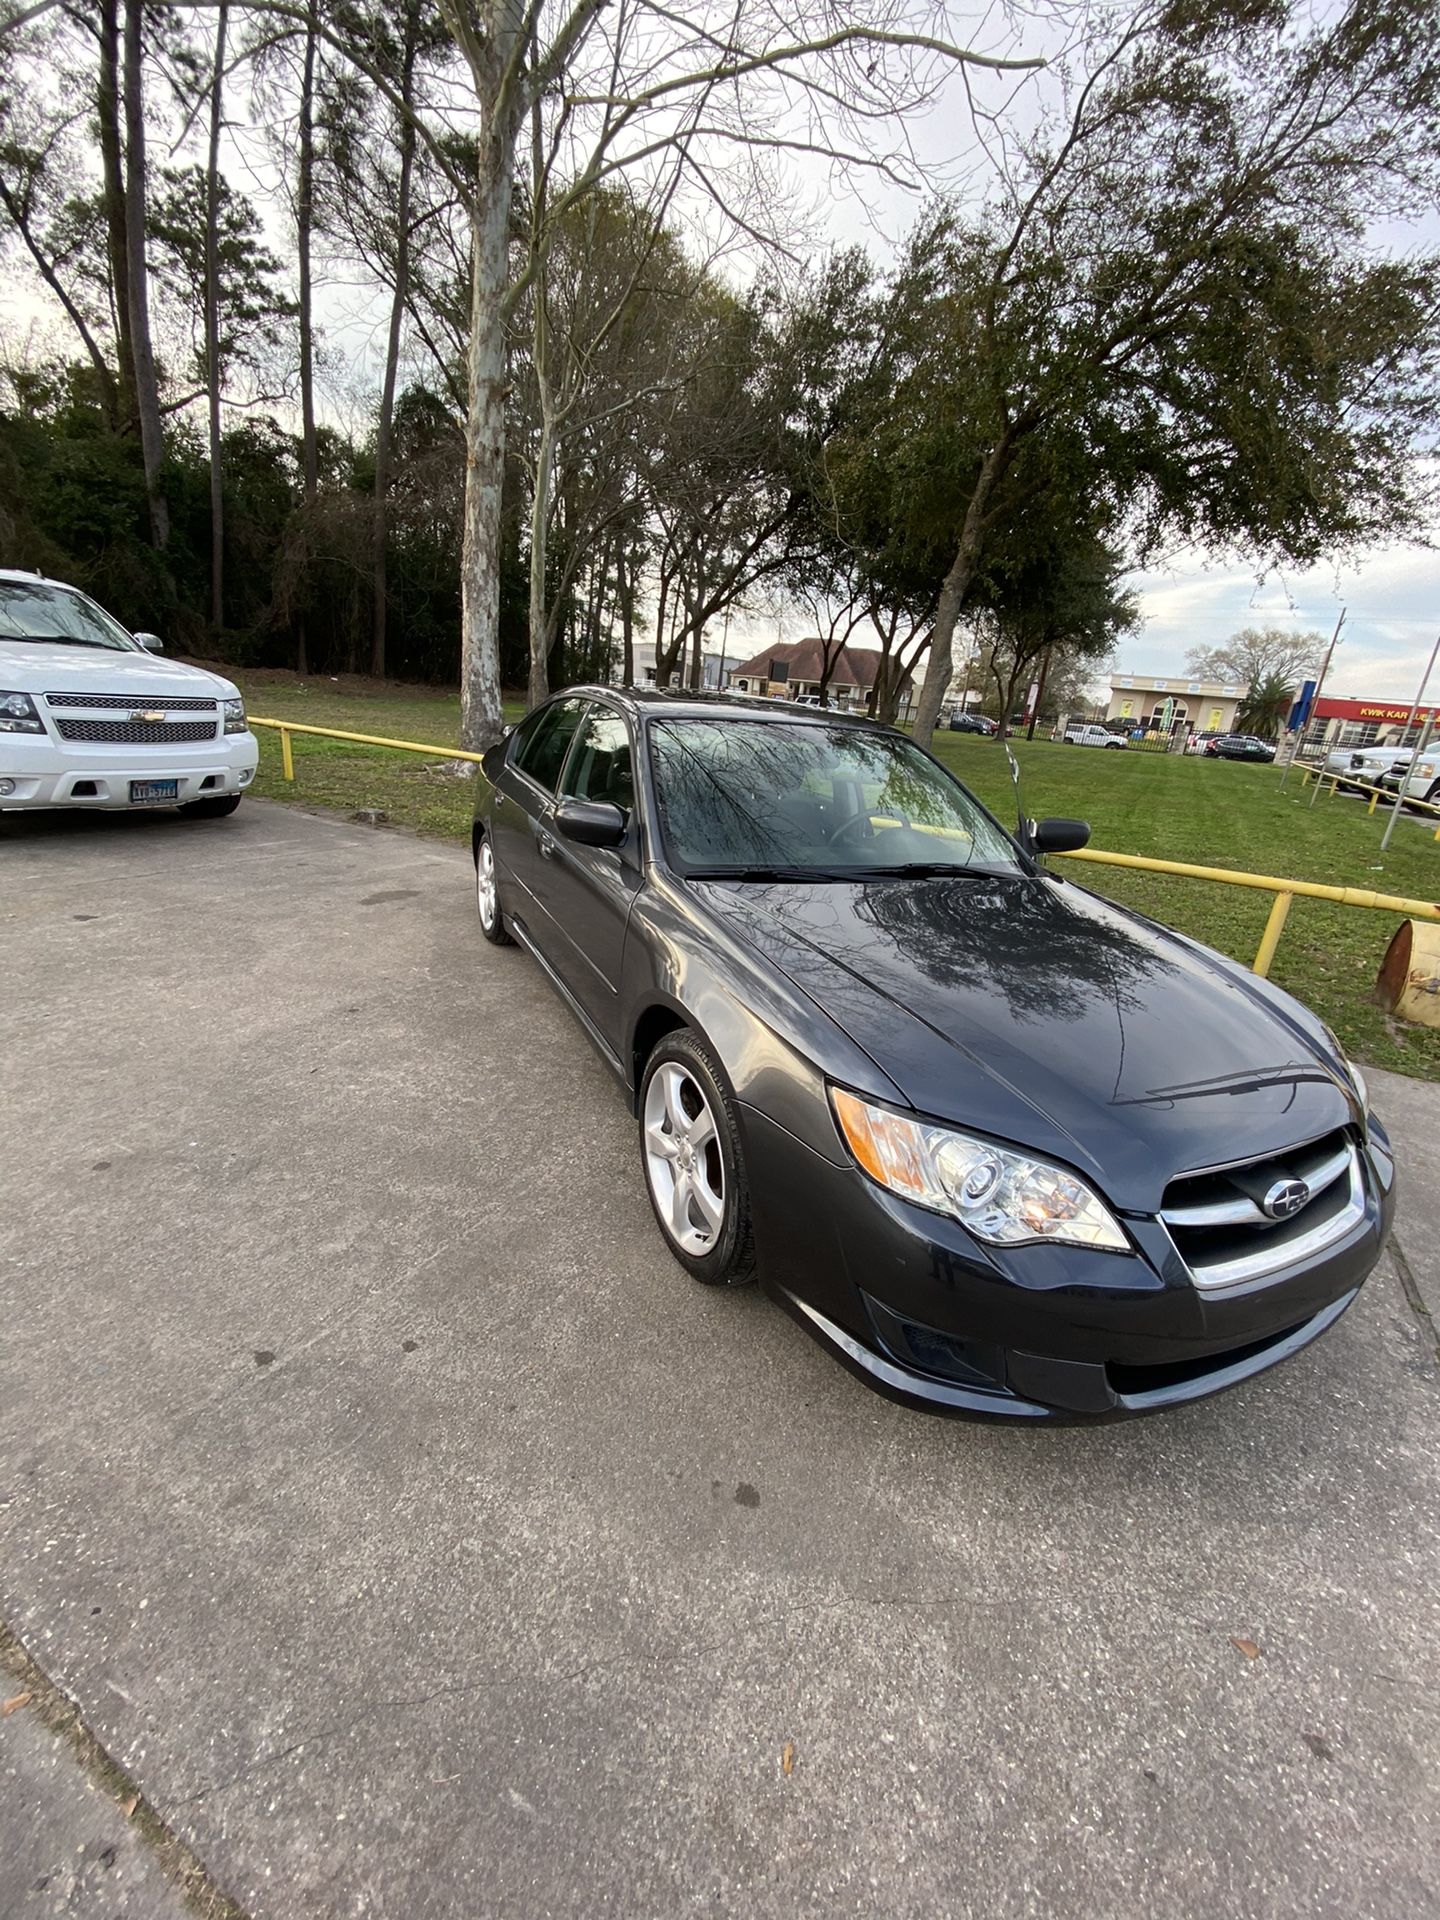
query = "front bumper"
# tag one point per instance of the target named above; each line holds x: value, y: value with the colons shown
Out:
x: 924, y: 1314
x: 37, y: 771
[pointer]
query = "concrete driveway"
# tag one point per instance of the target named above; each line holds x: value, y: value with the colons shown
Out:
x: 424, y: 1543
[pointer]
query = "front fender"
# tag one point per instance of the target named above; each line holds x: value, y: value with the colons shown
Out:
x: 775, y: 1044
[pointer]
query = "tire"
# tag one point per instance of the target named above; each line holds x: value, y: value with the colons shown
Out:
x: 708, y: 1228
x: 492, y: 920
x: 216, y: 809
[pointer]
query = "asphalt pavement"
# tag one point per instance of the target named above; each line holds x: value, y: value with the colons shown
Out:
x: 421, y: 1542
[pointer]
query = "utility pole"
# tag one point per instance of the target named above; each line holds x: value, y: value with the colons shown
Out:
x: 1415, y: 751
x: 1319, y: 689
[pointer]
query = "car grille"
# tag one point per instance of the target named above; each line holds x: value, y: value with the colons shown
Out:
x: 137, y: 733
x: 1222, y: 1232
x: 128, y: 702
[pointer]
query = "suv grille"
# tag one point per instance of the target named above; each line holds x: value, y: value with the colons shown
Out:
x: 137, y: 733
x: 127, y: 702
x: 1223, y: 1231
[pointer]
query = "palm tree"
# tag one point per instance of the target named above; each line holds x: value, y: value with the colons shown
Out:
x: 1265, y: 707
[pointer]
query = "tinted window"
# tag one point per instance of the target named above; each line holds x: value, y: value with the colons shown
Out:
x: 544, y: 742
x: 745, y: 793
x: 600, y: 767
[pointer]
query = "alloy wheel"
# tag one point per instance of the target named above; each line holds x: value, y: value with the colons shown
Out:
x: 682, y: 1160
x: 485, y: 886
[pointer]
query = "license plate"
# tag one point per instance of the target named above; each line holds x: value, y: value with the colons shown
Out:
x: 149, y: 792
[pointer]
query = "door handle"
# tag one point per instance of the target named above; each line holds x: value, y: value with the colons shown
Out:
x: 545, y: 844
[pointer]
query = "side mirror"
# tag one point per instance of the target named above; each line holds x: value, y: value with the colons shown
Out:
x: 591, y: 823
x: 1059, y: 836
x: 151, y: 642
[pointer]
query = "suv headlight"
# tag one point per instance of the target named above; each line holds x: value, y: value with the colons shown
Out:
x: 18, y: 714
x: 234, y: 715
x: 1000, y: 1196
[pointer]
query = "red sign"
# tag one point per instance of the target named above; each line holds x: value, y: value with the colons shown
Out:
x: 1377, y: 712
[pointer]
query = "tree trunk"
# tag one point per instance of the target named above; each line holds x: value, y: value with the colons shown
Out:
x: 625, y: 592
x: 481, y: 714
x: 107, y: 104
x: 1039, y: 694
x: 147, y: 392
x: 941, y: 663
x: 541, y: 626
x: 304, y: 224
x: 212, y: 325
x: 380, y: 524
x: 660, y: 630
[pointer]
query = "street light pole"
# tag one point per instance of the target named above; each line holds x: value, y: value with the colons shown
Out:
x: 1418, y: 749
x: 1319, y: 689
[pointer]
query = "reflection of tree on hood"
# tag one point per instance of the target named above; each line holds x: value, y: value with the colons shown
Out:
x: 1047, y: 954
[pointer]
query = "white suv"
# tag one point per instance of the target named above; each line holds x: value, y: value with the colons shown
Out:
x: 88, y: 718
x: 1082, y: 736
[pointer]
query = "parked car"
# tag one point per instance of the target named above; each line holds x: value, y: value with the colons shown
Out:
x: 931, y: 1094
x: 1200, y: 742
x: 90, y: 718
x: 1240, y: 746
x: 1419, y: 779
x: 1093, y: 736
x: 971, y: 723
x: 1365, y: 766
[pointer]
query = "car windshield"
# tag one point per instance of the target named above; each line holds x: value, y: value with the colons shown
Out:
x: 42, y: 612
x: 738, y: 797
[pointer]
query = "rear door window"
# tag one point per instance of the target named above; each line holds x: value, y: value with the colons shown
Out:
x: 541, y: 745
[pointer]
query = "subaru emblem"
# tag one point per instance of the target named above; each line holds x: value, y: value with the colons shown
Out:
x: 1285, y: 1198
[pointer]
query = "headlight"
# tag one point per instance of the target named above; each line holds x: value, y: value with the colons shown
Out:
x: 18, y: 715
x: 1427, y: 769
x: 1002, y: 1197
x: 234, y: 715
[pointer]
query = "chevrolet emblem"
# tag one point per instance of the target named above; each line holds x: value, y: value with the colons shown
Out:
x: 152, y: 714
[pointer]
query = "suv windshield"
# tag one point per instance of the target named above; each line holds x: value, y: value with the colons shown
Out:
x: 766, y: 798
x: 42, y: 612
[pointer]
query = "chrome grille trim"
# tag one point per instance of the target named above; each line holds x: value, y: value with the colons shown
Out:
x: 1245, y: 1213
x: 128, y: 702
x: 1272, y: 1254
x: 137, y: 733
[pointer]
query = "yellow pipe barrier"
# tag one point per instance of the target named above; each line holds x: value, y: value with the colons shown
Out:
x: 1270, y: 939
x: 286, y: 727
x: 1283, y: 890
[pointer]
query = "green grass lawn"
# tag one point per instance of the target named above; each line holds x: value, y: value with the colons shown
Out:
x: 1213, y: 813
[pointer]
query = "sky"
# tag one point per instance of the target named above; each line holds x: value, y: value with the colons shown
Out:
x: 1392, y: 615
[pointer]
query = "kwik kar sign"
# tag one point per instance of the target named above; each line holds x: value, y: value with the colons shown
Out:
x: 1377, y: 712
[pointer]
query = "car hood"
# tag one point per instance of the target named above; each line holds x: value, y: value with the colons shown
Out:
x: 38, y: 666
x: 1039, y: 1013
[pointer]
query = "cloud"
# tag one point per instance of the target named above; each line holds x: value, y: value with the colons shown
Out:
x: 1392, y: 615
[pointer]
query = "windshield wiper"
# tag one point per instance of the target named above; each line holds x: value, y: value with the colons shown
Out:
x: 773, y: 873
x: 929, y: 870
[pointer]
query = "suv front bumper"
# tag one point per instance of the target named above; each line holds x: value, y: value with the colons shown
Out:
x: 37, y: 771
